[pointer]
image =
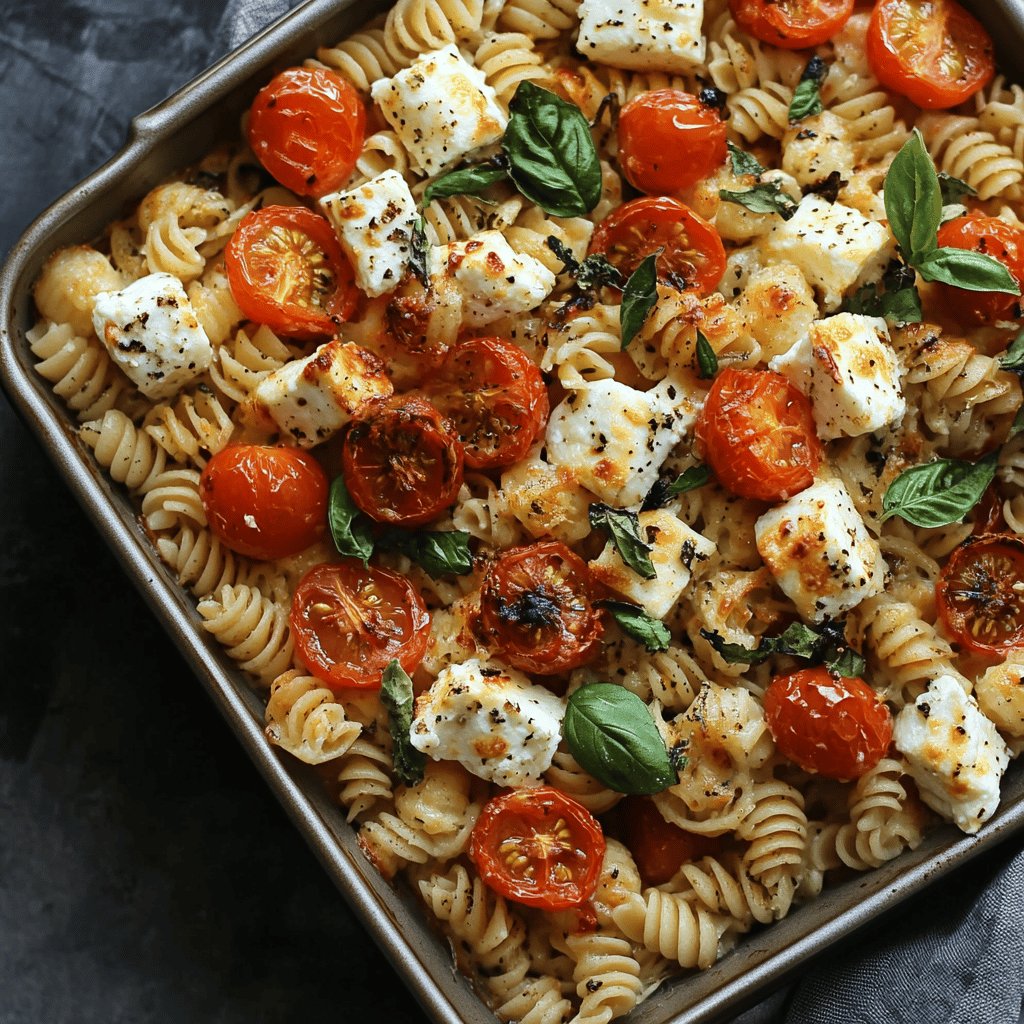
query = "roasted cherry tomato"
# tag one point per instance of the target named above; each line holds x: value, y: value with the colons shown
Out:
x: 997, y: 239
x: 931, y: 51
x: 495, y: 398
x: 536, y: 608
x: 538, y: 847
x: 264, y: 502
x: 659, y: 848
x: 758, y: 435
x: 693, y: 255
x: 349, y: 621
x: 980, y: 595
x: 832, y: 725
x: 287, y: 270
x: 307, y: 127
x: 669, y: 139
x: 791, y: 24
x: 402, y: 463
x: 987, y: 515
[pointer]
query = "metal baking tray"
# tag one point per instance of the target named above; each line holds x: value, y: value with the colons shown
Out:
x: 173, y: 134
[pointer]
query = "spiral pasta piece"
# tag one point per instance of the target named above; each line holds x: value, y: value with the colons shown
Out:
x: 414, y: 27
x: 538, y: 19
x: 69, y: 283
x: 127, y: 453
x: 507, y: 59
x: 362, y: 58
x: 960, y: 147
x: 304, y: 718
x: 776, y: 829
x: 364, y: 778
x: 672, y: 926
x: 607, y: 975
x: 193, y: 428
x: 760, y: 111
x: 172, y: 497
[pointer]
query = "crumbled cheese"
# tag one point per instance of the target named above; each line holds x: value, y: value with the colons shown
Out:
x: 441, y: 108
x: 153, y: 335
x: 494, y: 280
x: 822, y: 557
x: 1000, y: 693
x: 818, y: 146
x: 644, y: 35
x: 615, y: 438
x: 310, y: 399
x: 955, y: 754
x: 835, y: 247
x: 848, y: 370
x: 490, y: 719
x: 675, y: 551
x: 374, y: 223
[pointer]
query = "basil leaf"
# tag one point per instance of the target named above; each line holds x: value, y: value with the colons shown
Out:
x: 963, y: 268
x: 418, y: 249
x: 437, y: 552
x: 551, y: 153
x: 468, y: 181
x: 596, y: 272
x: 767, y: 197
x: 913, y: 199
x: 570, y: 265
x: 707, y: 361
x: 902, y: 306
x: 938, y: 493
x: 639, y: 297
x: 951, y: 189
x: 807, y: 95
x: 632, y: 620
x: 849, y: 664
x: 396, y: 696
x: 350, y: 529
x: 690, y: 480
x: 744, y: 163
x: 611, y: 734
x: 824, y: 644
x: 624, y: 528
x: 1013, y: 357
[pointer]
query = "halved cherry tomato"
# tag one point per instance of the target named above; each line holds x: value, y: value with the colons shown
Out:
x: 538, y: 847
x: 264, y: 502
x: 1002, y: 242
x: 792, y: 24
x: 931, y: 51
x: 669, y: 139
x: 349, y: 621
x: 987, y: 515
x: 402, y: 463
x: 833, y: 725
x: 758, y: 435
x: 536, y: 608
x: 287, y: 270
x: 494, y: 396
x: 659, y: 848
x: 693, y: 255
x: 980, y: 595
x: 307, y: 127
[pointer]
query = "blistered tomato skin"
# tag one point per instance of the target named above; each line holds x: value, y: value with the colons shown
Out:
x: 831, y: 725
x: 264, y: 502
x: 993, y: 237
x: 792, y: 24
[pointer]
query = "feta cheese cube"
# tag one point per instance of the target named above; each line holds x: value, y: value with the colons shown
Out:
x: 816, y: 147
x: 643, y: 35
x: 547, y: 499
x: 834, y: 246
x: 310, y: 399
x: 492, y: 720
x: 777, y: 307
x: 441, y: 108
x: 822, y: 557
x: 1000, y: 694
x: 955, y: 754
x: 374, y: 223
x: 153, y: 335
x: 615, y: 438
x: 494, y: 280
x: 847, y: 368
x: 675, y: 550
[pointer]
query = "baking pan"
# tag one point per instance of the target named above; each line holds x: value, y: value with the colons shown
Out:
x: 178, y: 132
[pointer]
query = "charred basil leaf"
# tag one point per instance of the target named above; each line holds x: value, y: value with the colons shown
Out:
x: 635, y: 622
x: 825, y: 644
x: 593, y: 272
x: 418, y: 249
x: 807, y: 95
x: 396, y: 696
x: 898, y: 300
x: 938, y: 493
x: 623, y: 527
x: 350, y: 529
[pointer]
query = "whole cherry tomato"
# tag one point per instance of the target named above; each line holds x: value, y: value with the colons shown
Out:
x: 758, y: 434
x: 538, y: 847
x: 349, y: 621
x: 402, y: 463
x: 307, y: 128
x: 997, y: 239
x: 669, y: 139
x: 536, y: 608
x: 980, y: 595
x: 692, y: 252
x: 792, y: 24
x: 264, y: 502
x: 832, y: 725
x: 931, y: 51
x: 287, y: 270
x: 495, y: 398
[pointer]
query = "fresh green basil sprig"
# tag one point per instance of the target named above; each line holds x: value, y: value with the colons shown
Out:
x: 824, y: 644
x: 611, y: 734
x: 350, y: 529
x: 623, y: 527
x: 953, y: 189
x: 764, y: 197
x: 744, y: 162
x: 807, y: 95
x: 396, y: 696
x: 913, y: 204
x: 467, y: 181
x: 938, y: 493
x: 635, y: 622
x: 639, y: 297
x: 707, y: 361
x: 897, y: 299
x: 689, y: 480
